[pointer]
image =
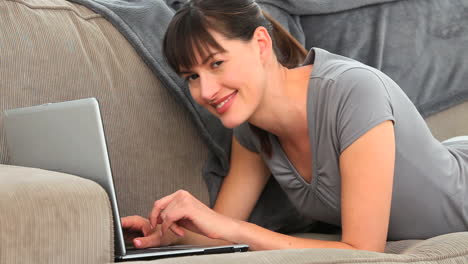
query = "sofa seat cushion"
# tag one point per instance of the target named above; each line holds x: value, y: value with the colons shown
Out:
x: 444, y: 249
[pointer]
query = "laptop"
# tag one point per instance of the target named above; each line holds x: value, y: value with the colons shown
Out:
x: 69, y: 137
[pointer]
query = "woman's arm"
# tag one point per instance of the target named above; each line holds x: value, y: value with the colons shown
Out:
x: 244, y: 183
x: 367, y: 169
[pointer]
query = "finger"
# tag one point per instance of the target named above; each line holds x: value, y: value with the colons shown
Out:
x: 147, y: 229
x: 135, y: 222
x: 158, y: 206
x: 173, y: 213
x: 136, y: 226
x: 172, y: 225
x: 127, y: 221
x: 177, y: 230
x: 153, y: 240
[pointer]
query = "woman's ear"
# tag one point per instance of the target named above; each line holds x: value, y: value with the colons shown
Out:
x: 263, y: 40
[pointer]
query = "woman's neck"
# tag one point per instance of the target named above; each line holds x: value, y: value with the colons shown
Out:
x: 283, y: 109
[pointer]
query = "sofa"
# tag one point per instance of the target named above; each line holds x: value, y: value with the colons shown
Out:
x: 54, y: 50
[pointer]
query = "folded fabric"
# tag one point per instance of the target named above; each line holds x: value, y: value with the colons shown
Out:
x: 320, y: 7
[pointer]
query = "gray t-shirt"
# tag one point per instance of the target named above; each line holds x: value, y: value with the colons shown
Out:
x: 345, y: 100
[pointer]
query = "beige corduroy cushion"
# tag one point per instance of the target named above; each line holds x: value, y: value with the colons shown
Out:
x: 50, y: 217
x: 446, y: 249
x: 450, y: 123
x: 58, y: 51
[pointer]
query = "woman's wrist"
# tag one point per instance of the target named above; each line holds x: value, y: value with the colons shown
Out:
x: 236, y: 231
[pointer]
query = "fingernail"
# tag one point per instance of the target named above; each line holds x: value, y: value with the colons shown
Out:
x: 137, y: 243
x: 160, y: 233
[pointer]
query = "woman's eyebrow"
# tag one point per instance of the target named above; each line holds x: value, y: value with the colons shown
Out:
x: 204, y: 61
x: 210, y: 56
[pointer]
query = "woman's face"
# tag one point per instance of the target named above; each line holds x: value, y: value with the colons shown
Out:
x: 229, y: 84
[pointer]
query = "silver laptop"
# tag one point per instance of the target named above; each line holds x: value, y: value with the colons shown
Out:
x: 69, y: 137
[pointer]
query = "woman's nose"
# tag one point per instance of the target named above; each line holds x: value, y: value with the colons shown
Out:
x: 209, y: 88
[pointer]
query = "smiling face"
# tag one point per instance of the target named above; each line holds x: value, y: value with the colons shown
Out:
x: 230, y: 83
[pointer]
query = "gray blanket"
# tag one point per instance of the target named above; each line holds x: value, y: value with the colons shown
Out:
x: 419, y: 43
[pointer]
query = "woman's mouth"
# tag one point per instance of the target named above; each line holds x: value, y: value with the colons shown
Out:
x: 224, y: 105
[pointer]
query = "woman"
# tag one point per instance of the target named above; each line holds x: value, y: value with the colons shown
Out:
x: 342, y: 139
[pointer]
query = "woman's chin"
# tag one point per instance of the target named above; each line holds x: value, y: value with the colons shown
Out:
x: 231, y: 123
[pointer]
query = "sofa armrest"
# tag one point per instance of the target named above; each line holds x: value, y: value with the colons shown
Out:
x: 50, y: 217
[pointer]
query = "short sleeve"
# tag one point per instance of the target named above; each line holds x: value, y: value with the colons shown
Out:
x: 364, y: 103
x: 246, y: 138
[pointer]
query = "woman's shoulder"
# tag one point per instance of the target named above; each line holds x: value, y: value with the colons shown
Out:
x: 331, y: 66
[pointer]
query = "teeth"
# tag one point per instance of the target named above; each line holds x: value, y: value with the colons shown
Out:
x: 223, y: 102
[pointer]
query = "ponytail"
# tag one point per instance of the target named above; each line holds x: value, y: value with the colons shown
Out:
x: 289, y: 52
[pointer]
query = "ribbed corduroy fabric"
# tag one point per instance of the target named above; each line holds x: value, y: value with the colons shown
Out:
x: 392, y: 247
x: 50, y: 217
x: 449, y: 123
x: 58, y: 51
x: 446, y: 249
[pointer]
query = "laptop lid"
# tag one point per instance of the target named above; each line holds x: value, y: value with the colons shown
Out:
x: 69, y: 137
x: 65, y: 137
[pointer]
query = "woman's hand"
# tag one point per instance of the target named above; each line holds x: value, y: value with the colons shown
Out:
x: 143, y: 235
x: 181, y: 209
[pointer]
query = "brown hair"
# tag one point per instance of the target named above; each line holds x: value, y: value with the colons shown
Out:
x: 235, y: 19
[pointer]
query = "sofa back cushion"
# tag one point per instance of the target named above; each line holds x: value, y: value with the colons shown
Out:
x: 57, y: 51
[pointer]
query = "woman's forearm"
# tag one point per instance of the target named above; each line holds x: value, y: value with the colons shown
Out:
x: 191, y: 238
x: 259, y: 238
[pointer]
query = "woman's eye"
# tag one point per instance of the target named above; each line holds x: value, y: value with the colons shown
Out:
x: 192, y: 77
x: 216, y: 64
